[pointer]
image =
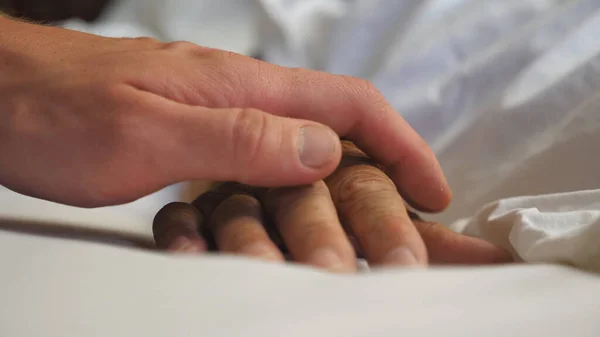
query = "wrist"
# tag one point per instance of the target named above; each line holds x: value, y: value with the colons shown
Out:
x: 22, y: 52
x: 8, y: 24
x: 9, y: 41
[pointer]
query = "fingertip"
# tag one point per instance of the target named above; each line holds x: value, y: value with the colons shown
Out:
x: 501, y: 256
x: 186, y: 245
x: 315, y: 153
x: 474, y: 252
x: 262, y: 250
x: 402, y: 256
x: 329, y: 259
x: 174, y: 220
x: 433, y: 196
x: 447, y: 247
x: 416, y: 173
x: 287, y: 152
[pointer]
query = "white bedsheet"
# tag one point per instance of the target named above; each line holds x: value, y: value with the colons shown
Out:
x: 507, y: 92
x: 70, y: 289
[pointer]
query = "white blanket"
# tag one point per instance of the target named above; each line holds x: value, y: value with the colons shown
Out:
x: 59, y: 288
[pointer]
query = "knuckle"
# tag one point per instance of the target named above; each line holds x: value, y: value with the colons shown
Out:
x: 367, y: 93
x: 146, y: 40
x: 184, y: 47
x: 217, y: 55
x: 248, y: 133
x: 361, y: 86
x: 229, y: 54
x: 375, y: 99
x: 222, y: 54
x: 354, y: 184
x: 142, y: 41
x: 366, y: 86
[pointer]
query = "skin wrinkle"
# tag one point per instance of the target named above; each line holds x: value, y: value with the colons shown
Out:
x: 272, y: 89
x: 359, y: 183
x: 230, y: 84
x: 187, y: 93
x: 281, y: 147
x: 217, y: 87
x: 358, y: 88
x: 248, y: 136
x: 427, y: 227
x: 275, y: 88
x: 342, y: 127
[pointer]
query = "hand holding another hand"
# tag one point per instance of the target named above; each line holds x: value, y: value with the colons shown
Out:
x: 303, y: 221
x: 93, y: 121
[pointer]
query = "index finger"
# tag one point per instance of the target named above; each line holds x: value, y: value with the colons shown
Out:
x: 352, y: 107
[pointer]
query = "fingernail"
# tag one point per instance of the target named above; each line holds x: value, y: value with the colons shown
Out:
x: 184, y: 245
x: 260, y: 250
x: 316, y: 145
x: 402, y: 257
x: 327, y: 259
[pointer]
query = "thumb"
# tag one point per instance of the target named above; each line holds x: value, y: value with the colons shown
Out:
x: 253, y: 147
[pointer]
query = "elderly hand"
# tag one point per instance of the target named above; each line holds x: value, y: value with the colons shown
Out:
x: 304, y: 220
x: 93, y: 121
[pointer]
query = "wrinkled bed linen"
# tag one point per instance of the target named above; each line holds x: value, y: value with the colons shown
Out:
x: 62, y: 288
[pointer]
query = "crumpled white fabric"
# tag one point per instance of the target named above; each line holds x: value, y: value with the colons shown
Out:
x: 559, y: 228
x: 507, y: 92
